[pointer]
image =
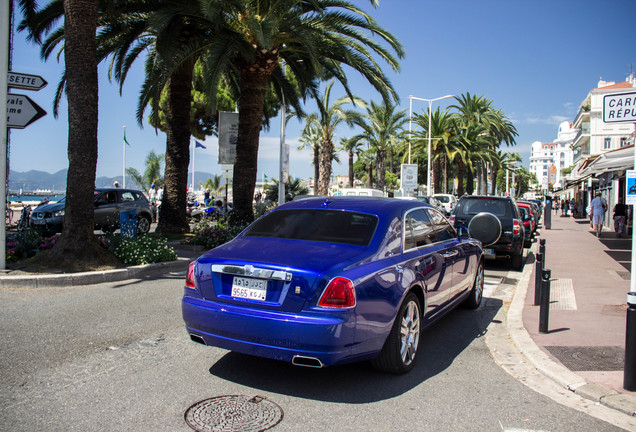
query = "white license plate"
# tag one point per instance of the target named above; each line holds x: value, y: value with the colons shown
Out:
x: 489, y: 252
x: 248, y: 288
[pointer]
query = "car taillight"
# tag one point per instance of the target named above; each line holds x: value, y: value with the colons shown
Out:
x: 340, y: 293
x: 526, y: 224
x: 516, y: 227
x: 189, y: 282
x: 452, y: 219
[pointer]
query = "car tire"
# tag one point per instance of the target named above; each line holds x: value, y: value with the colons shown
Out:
x: 516, y: 261
x: 399, y: 352
x: 485, y: 227
x: 143, y: 225
x: 474, y: 298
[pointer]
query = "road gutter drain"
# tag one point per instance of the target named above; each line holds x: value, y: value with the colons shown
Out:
x: 233, y: 413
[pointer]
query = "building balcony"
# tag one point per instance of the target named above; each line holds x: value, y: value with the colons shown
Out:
x: 582, y: 117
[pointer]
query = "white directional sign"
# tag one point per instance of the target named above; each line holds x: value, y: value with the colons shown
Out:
x: 619, y: 108
x: 22, y: 111
x: 25, y: 81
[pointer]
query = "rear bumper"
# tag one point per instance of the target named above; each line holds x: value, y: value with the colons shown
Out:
x: 506, y: 250
x: 327, y: 336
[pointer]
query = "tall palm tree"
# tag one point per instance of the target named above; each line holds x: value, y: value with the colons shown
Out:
x: 443, y: 137
x: 352, y: 146
x: 311, y: 137
x: 382, y: 126
x: 315, y: 38
x: 77, y: 243
x: 331, y: 115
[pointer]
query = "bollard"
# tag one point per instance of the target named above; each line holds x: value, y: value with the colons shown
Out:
x: 629, y: 372
x: 547, y: 214
x: 544, y: 309
x: 537, y: 278
x: 542, y: 247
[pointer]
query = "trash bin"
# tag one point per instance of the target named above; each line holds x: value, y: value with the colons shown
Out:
x: 128, y: 223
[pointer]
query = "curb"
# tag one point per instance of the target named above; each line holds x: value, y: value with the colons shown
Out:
x: 551, y: 369
x: 33, y: 281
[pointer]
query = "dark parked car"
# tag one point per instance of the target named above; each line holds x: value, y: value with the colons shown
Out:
x: 109, y: 202
x: 330, y: 280
x: 496, y: 221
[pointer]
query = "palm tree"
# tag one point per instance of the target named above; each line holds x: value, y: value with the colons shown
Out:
x: 314, y: 38
x: 152, y: 174
x: 213, y: 184
x: 293, y: 188
x: 382, y: 128
x: 77, y: 243
x: 443, y: 137
x: 352, y: 146
x: 326, y: 120
x: 311, y: 137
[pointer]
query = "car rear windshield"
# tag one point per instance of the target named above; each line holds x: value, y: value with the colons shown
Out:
x: 316, y: 225
x: 495, y: 206
x: 443, y: 198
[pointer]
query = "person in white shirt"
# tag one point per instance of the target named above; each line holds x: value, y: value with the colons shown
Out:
x: 599, y: 207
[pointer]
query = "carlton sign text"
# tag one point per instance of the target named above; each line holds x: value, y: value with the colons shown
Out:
x: 619, y: 108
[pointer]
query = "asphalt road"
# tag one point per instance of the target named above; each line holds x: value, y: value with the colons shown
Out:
x: 116, y: 357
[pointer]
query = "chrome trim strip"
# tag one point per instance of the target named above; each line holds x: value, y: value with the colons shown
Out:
x: 251, y: 271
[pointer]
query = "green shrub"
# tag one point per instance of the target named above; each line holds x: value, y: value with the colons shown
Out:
x: 145, y: 249
x: 212, y: 233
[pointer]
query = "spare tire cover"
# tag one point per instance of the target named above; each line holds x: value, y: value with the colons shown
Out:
x: 485, y: 227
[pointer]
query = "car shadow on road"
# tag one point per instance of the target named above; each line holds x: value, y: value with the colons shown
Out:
x: 359, y: 382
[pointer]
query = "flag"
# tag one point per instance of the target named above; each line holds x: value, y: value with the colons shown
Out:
x: 197, y: 144
x: 125, y: 140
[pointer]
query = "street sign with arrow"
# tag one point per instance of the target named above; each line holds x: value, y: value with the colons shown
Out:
x: 22, y: 111
x: 25, y: 81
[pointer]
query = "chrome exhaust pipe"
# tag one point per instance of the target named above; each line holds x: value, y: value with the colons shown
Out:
x: 311, y: 362
x: 197, y: 339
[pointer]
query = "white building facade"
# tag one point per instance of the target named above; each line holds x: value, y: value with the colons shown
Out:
x: 547, y: 161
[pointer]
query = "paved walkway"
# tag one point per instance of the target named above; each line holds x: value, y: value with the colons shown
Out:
x: 589, y: 285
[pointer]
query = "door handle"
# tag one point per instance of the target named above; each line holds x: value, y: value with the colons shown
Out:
x: 450, y: 254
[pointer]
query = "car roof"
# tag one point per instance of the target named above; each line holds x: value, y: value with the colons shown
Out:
x: 364, y: 204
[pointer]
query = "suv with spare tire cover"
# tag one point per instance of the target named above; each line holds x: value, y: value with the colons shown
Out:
x: 496, y: 222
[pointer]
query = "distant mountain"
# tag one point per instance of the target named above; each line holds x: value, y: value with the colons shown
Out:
x: 39, y: 180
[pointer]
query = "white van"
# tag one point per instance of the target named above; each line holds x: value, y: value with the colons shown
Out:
x: 362, y: 192
x: 448, y: 201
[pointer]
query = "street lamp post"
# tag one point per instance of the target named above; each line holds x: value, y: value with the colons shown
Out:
x: 430, y: 105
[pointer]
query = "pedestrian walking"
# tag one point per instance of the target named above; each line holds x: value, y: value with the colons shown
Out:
x: 620, y: 216
x: 556, y: 207
x: 599, y: 207
x: 573, y: 207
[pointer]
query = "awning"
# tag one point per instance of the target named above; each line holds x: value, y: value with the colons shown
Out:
x: 614, y: 160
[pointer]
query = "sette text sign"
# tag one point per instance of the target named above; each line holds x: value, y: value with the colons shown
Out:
x: 619, y: 108
x: 25, y: 81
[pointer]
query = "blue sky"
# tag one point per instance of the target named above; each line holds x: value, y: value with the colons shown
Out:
x: 536, y: 60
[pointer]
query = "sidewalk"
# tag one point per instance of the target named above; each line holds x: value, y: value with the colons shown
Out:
x: 586, y: 334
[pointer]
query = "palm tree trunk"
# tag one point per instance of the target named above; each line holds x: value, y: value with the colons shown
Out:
x: 461, y: 169
x: 326, y: 153
x: 381, y: 168
x: 316, y: 167
x: 172, y: 213
x: 470, y: 181
x: 493, y: 179
x: 77, y: 242
x: 254, y: 77
x: 350, y: 168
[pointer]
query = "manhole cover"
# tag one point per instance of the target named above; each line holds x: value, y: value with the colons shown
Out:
x: 233, y: 413
x: 577, y: 358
